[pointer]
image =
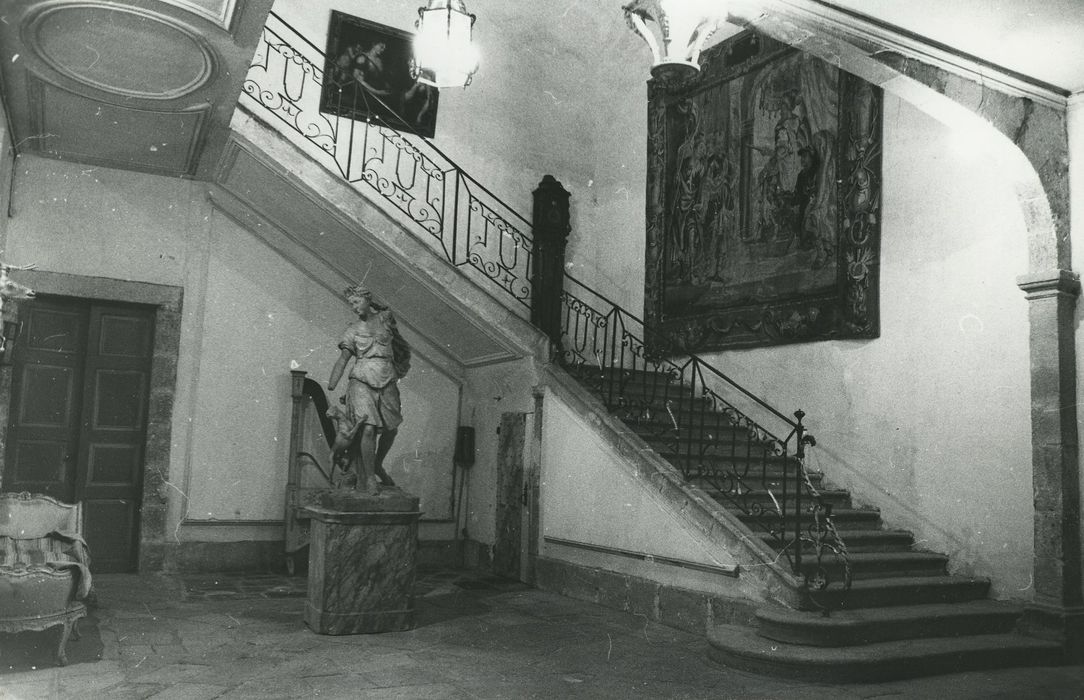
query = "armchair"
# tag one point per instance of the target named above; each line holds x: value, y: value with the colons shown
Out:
x: 44, y: 566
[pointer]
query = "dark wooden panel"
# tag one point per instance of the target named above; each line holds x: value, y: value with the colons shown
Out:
x: 53, y: 330
x: 110, y: 527
x: 39, y: 462
x: 113, y: 464
x: 47, y: 396
x: 124, y: 336
x: 118, y: 399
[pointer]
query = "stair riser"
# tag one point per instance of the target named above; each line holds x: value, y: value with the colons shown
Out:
x: 836, y: 501
x: 843, y: 524
x: 864, y: 571
x: 888, y: 597
x: 880, y: 670
x: 887, y: 631
x: 707, y: 450
x: 874, y: 548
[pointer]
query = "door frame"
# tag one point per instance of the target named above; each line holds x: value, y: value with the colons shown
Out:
x: 166, y: 299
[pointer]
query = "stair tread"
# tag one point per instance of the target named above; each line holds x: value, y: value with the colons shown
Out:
x: 883, y: 615
x: 924, y: 581
x: 841, y: 513
x: 870, y: 557
x: 744, y: 641
x: 856, y: 534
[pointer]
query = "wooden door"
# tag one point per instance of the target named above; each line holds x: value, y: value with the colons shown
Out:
x: 79, y: 414
x: 508, y: 548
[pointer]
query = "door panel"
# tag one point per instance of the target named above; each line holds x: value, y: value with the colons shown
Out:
x: 79, y: 411
x: 118, y: 399
x: 111, y: 444
x: 43, y: 432
x: 108, y: 527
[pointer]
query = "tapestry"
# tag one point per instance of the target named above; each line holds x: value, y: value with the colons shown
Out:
x: 763, y: 202
x: 367, y: 60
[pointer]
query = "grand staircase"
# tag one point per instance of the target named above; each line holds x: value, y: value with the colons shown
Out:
x: 886, y: 610
x: 866, y: 604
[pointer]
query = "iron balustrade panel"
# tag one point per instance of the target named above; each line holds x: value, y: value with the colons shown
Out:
x: 414, y: 180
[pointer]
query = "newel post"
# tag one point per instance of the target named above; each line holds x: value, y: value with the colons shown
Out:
x: 550, y: 221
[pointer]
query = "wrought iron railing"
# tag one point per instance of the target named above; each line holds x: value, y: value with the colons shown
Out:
x: 679, y: 405
x: 423, y: 188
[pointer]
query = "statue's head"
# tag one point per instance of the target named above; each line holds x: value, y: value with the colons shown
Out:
x: 360, y: 298
x: 357, y: 290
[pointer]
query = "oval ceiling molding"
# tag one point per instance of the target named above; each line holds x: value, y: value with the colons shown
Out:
x: 123, y: 50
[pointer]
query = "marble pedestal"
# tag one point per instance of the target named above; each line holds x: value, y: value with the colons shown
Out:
x: 363, y: 554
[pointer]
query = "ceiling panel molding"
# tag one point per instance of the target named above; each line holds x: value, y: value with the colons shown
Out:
x: 125, y: 137
x: 121, y: 50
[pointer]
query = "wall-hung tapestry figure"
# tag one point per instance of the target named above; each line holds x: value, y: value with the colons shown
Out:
x: 368, y: 75
x: 763, y: 201
x: 368, y: 419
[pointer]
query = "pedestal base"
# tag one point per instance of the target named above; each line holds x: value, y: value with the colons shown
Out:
x: 363, y: 554
x: 1062, y: 625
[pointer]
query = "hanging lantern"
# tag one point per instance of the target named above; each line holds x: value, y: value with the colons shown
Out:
x: 675, y: 30
x: 444, y: 55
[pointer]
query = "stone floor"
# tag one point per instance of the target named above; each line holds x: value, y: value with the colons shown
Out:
x: 477, y: 637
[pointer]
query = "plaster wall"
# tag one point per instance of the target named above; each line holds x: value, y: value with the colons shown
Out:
x: 591, y: 495
x: 247, y: 313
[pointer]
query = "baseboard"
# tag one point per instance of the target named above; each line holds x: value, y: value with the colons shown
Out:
x: 692, y: 611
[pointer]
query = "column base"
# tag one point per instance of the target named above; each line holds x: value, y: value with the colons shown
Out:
x: 1062, y: 625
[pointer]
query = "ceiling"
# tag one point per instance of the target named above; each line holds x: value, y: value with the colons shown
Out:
x: 1042, y: 39
x: 150, y: 85
x: 135, y: 84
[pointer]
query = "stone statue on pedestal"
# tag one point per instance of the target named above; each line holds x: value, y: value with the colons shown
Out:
x: 371, y: 412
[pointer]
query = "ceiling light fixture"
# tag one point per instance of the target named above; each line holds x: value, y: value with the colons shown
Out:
x: 444, y: 54
x: 675, y: 30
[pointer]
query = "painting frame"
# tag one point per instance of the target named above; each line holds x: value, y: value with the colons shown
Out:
x: 364, y: 60
x: 741, y: 251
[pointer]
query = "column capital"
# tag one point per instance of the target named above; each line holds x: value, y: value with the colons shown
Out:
x: 1041, y: 284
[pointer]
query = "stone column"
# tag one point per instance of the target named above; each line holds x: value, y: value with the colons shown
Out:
x: 1058, y: 609
x: 550, y: 223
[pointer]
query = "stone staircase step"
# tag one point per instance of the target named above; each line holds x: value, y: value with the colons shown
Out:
x: 856, y: 541
x: 845, y: 519
x: 742, y: 648
x: 903, y: 590
x: 838, y: 498
x: 726, y: 463
x: 867, y: 565
x: 871, y: 625
x: 706, y: 446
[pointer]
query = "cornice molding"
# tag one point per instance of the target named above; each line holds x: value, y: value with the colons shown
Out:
x: 875, y: 37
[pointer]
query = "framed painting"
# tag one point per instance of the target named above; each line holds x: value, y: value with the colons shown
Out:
x: 763, y: 202
x: 367, y: 75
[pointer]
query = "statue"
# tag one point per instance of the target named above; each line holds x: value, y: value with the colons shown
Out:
x: 371, y: 412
